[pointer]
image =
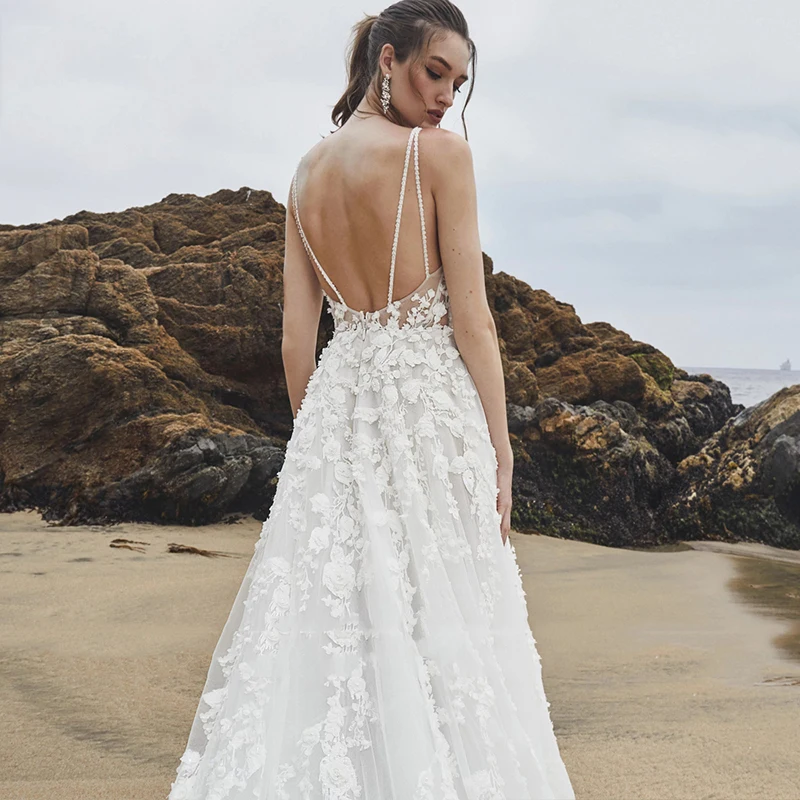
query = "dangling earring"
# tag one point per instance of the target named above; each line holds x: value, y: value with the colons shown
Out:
x: 385, y: 96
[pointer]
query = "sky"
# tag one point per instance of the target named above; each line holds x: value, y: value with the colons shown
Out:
x: 639, y: 159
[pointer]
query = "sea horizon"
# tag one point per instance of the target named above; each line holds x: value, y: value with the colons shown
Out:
x: 749, y: 385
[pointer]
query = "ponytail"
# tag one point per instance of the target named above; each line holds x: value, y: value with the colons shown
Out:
x: 359, y: 71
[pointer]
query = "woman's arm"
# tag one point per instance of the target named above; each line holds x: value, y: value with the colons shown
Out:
x: 473, y: 325
x: 302, y: 304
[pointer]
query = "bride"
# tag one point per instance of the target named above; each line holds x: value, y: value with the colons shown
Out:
x: 378, y: 647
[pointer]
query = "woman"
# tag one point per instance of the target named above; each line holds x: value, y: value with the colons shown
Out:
x: 378, y: 647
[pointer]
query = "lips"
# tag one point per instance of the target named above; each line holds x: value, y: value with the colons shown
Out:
x: 434, y: 114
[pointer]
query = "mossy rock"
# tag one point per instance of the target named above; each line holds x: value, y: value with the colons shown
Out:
x: 657, y: 366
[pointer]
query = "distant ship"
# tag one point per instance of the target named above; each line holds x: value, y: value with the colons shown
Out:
x: 786, y: 366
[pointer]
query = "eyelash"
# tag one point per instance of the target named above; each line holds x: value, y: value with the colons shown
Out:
x: 436, y: 77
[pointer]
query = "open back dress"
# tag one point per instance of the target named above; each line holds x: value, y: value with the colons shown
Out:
x: 378, y: 647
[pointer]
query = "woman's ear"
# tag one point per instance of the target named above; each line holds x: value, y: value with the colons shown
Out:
x: 386, y: 57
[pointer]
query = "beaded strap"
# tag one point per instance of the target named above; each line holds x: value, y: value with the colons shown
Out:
x: 419, y: 198
x: 305, y: 241
x: 412, y: 140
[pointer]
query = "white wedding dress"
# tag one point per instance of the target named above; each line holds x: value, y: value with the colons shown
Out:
x: 379, y: 648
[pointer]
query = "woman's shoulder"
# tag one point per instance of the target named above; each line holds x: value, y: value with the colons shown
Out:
x: 328, y: 149
x: 443, y: 154
x: 311, y: 154
x: 444, y: 144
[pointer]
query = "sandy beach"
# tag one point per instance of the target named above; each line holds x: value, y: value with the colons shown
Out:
x: 671, y: 674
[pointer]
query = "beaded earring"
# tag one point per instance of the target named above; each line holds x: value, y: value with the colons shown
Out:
x: 385, y: 96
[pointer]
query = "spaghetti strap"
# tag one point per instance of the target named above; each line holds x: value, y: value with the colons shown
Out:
x: 305, y: 241
x: 413, y: 139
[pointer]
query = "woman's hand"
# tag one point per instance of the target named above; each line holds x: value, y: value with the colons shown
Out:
x: 505, y: 469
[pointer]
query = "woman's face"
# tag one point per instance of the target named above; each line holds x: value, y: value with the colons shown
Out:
x: 443, y: 73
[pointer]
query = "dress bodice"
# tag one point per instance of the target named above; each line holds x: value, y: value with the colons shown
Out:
x: 425, y: 306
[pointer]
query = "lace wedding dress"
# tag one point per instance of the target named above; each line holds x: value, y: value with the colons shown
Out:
x: 379, y: 648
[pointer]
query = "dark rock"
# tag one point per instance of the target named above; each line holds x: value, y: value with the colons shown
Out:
x: 744, y: 485
x: 578, y: 473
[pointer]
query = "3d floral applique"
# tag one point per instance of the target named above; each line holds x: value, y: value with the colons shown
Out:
x: 388, y: 494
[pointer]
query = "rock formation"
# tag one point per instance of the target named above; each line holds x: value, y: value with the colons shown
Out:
x: 141, y: 378
x: 140, y: 368
x: 745, y: 482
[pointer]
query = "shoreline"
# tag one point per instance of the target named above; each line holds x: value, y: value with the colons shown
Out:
x: 748, y: 549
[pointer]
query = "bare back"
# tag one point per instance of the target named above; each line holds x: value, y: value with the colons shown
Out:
x: 351, y: 201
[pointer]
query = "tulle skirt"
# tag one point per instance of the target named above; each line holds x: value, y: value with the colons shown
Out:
x: 378, y: 647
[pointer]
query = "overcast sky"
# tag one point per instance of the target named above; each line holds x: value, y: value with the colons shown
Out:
x: 639, y: 159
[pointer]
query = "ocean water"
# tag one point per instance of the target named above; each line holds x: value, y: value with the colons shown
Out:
x: 749, y: 386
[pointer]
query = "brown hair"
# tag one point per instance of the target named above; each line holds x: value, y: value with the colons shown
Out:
x: 409, y: 26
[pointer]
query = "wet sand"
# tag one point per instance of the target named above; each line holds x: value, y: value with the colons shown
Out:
x: 671, y: 674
